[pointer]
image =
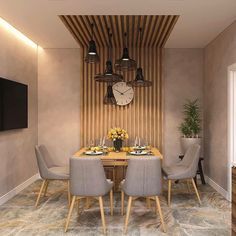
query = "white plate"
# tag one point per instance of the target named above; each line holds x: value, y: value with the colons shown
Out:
x: 92, y: 153
x: 139, y: 153
x: 139, y: 147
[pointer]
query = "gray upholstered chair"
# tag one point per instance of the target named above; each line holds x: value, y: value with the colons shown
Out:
x: 87, y: 179
x: 143, y: 179
x: 49, y: 171
x: 184, y: 170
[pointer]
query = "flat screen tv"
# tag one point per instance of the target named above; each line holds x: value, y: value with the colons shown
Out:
x: 13, y: 105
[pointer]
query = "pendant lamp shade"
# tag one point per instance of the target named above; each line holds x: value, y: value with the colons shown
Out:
x: 92, y: 55
x: 109, y: 99
x: 125, y: 63
x: 108, y: 76
x: 139, y: 79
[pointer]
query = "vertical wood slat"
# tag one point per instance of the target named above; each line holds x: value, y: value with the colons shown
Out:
x: 143, y: 117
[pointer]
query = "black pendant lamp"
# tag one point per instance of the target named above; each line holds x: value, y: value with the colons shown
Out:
x: 108, y: 76
x: 92, y: 55
x: 109, y: 99
x: 125, y: 63
x: 139, y: 79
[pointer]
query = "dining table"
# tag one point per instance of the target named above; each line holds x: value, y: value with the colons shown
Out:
x: 115, y: 163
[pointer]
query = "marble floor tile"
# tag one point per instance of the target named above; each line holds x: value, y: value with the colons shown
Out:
x: 185, y: 217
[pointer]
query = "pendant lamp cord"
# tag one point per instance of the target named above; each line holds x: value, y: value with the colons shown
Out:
x: 141, y: 39
x: 92, y: 31
x: 110, y: 45
x: 126, y: 40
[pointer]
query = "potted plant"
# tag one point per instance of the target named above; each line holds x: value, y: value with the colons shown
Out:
x: 191, y: 126
x: 117, y: 135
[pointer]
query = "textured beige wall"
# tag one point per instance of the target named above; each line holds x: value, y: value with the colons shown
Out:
x: 182, y: 79
x: 58, y: 89
x: 18, y: 61
x: 219, y: 54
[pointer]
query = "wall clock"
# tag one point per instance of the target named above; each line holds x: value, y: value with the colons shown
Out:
x: 123, y: 93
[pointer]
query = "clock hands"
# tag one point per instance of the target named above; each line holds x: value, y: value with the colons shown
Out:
x: 127, y: 90
x: 118, y: 91
x: 122, y: 93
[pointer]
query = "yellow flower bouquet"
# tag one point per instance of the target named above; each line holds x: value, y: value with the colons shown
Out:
x: 117, y: 135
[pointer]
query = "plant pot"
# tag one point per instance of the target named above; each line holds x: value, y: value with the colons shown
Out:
x: 117, y: 145
x: 187, y: 142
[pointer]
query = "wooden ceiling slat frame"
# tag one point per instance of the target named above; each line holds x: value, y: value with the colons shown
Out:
x: 75, y: 29
x: 84, y: 25
x: 77, y: 39
x: 143, y: 26
x: 103, y: 29
x: 114, y: 34
x: 85, y: 35
x: 87, y: 24
x: 156, y: 44
x: 165, y: 28
x: 172, y: 25
x: 123, y: 31
x: 157, y: 26
x: 120, y: 31
x: 156, y: 29
x: 92, y: 19
x: 147, y: 32
x: 137, y: 31
x: 152, y: 31
x: 132, y: 27
x: 104, y: 26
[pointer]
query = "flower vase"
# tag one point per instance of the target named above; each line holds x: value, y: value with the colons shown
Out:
x: 117, y: 145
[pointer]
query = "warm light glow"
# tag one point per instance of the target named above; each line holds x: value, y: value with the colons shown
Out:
x: 17, y: 33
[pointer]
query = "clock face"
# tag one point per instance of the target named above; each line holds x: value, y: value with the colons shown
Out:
x: 123, y: 93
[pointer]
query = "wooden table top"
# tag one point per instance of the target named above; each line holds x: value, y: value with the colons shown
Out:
x: 117, y: 155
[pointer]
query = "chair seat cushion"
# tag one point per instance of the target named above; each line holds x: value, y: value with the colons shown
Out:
x: 59, y: 172
x: 175, y: 172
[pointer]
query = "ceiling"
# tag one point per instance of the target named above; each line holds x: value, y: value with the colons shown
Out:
x: 155, y: 30
x: 200, y: 21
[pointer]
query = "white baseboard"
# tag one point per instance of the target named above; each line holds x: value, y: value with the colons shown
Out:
x: 218, y: 188
x: 18, y: 189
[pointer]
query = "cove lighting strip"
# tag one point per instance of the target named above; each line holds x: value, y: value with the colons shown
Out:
x: 17, y: 33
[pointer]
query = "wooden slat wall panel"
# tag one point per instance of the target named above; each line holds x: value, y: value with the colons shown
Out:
x: 143, y: 117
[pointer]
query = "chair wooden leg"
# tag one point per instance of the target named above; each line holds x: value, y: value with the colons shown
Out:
x: 46, y: 188
x: 196, y: 191
x: 189, y: 187
x: 68, y: 193
x: 160, y: 213
x: 148, y: 202
x: 169, y: 191
x: 78, y: 202
x: 40, y: 192
x: 111, y: 201
x: 102, y: 214
x: 127, y: 214
x: 122, y: 202
x: 87, y: 203
x: 70, y: 211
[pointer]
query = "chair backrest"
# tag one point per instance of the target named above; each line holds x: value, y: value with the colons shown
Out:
x: 42, y: 166
x: 191, y: 159
x: 143, y: 177
x: 87, y: 177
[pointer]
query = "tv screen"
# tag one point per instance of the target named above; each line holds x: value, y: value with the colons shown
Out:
x: 13, y: 105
